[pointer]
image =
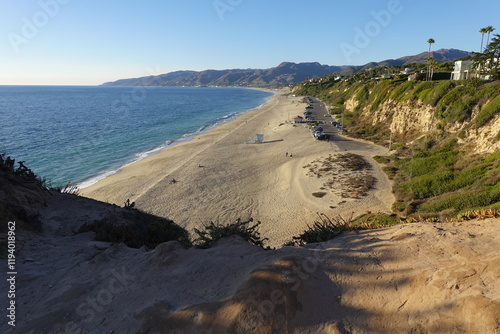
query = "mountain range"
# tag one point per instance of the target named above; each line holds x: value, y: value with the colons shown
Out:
x: 286, y: 73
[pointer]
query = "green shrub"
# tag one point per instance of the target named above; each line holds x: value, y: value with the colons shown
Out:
x: 363, y: 95
x: 424, y: 165
x: 438, y: 92
x: 379, y: 94
x: 439, y: 183
x: 390, y: 171
x: 487, y: 112
x: 399, y: 206
x: 137, y: 229
x: 375, y: 220
x: 323, y: 230
x: 494, y: 157
x: 212, y: 232
x: 399, y: 92
x: 466, y: 200
x: 425, y: 95
x: 430, y: 185
x: 417, y: 91
x: 457, y: 104
x: 382, y: 160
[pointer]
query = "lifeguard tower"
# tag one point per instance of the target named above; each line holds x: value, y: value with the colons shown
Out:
x: 258, y: 139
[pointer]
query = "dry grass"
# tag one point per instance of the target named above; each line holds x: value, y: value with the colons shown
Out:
x: 347, y: 175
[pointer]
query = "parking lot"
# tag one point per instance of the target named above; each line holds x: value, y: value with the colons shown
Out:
x: 319, y: 113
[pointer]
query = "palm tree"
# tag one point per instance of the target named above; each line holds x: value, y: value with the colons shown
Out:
x: 429, y: 75
x: 430, y: 41
x: 489, y: 30
x: 482, y: 31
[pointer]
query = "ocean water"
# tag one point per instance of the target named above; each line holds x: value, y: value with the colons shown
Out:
x: 82, y: 134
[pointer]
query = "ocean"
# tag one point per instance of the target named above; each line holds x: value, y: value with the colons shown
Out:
x: 80, y: 134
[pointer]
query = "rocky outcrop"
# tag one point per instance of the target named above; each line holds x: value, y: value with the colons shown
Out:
x: 414, y: 119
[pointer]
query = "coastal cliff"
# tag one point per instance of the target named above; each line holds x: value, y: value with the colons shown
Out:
x: 444, y: 137
x: 469, y: 112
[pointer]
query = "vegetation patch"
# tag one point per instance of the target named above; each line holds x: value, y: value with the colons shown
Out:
x: 461, y: 183
x: 371, y: 221
x: 21, y: 192
x: 324, y: 229
x: 382, y: 160
x: 479, y: 214
x: 346, y: 175
x: 210, y: 233
x: 488, y: 111
x: 137, y: 229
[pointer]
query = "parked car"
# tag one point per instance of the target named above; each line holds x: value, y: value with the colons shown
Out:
x: 320, y: 135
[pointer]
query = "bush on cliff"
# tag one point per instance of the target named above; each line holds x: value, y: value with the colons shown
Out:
x: 212, y: 232
x: 137, y: 229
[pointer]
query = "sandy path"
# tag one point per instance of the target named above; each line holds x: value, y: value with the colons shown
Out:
x: 241, y: 180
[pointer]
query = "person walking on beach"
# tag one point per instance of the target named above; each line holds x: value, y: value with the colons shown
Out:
x: 286, y: 154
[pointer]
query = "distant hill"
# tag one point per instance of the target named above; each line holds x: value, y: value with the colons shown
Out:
x: 286, y: 73
x: 442, y: 55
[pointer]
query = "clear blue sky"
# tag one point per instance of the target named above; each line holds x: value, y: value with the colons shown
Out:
x: 85, y: 42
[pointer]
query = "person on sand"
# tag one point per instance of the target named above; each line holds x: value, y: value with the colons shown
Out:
x: 286, y: 154
x: 290, y: 155
x: 174, y: 181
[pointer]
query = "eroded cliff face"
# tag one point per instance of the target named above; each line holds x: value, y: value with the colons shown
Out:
x: 414, y: 119
x: 484, y: 139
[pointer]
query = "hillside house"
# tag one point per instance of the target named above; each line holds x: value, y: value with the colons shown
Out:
x: 462, y: 70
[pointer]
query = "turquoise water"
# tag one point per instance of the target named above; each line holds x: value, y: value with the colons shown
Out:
x: 82, y: 134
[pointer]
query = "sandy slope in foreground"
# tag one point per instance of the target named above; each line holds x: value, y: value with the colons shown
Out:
x: 241, y: 180
x: 413, y: 278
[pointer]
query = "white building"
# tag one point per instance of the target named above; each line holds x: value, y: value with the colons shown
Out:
x: 462, y: 70
x: 407, y: 70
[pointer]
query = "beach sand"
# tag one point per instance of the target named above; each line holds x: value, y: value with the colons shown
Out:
x: 220, y: 177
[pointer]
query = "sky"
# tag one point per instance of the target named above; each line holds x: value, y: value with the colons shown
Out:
x: 88, y: 42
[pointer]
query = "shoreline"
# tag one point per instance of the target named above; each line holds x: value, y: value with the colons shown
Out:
x: 184, y: 138
x: 221, y: 178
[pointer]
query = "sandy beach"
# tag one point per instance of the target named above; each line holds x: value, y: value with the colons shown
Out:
x: 220, y: 176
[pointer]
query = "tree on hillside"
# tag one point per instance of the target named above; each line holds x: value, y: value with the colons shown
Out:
x: 482, y: 31
x: 429, y: 60
x: 489, y: 30
x: 492, y: 54
x: 430, y: 41
x: 487, y: 63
